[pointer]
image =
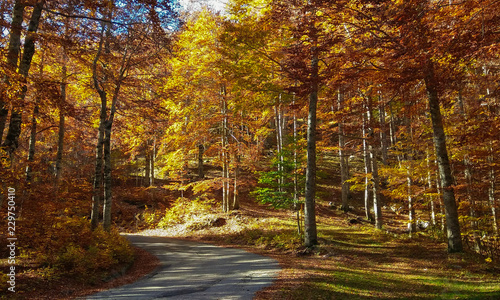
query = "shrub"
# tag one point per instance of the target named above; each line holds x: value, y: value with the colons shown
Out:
x: 185, y: 210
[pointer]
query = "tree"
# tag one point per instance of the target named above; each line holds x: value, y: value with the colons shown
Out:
x: 11, y: 140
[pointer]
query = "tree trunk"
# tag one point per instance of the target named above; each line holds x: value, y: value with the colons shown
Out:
x: 377, y: 205
x: 383, y: 135
x: 152, y: 162
x: 225, y: 154
x: 310, y: 237
x: 429, y: 185
x: 106, y: 210
x: 412, y: 225
x: 344, y: 167
x: 491, y: 191
x: 13, y: 52
x: 31, y: 150
x: 60, y: 138
x: 236, y: 199
x: 147, y: 168
x: 201, y: 151
x: 96, y: 193
x: 368, y: 170
x: 11, y: 140
x: 439, y: 137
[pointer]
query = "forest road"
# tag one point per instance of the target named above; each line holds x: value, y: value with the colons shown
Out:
x: 191, y: 270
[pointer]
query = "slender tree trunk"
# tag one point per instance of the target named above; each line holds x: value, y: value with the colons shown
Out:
x: 236, y: 199
x: 96, y: 194
x: 429, y: 185
x: 60, y: 138
x: 452, y: 222
x: 310, y: 237
x: 383, y: 135
x: 377, y: 205
x: 98, y: 173
x: 31, y: 150
x: 152, y: 162
x: 225, y: 153
x: 32, y: 143
x: 147, y: 168
x: 441, y: 204
x: 344, y: 167
x: 392, y: 126
x: 491, y: 191
x: 470, y: 197
x: 106, y: 215
x: 201, y: 151
x: 295, y: 174
x: 368, y: 170
x: 412, y: 225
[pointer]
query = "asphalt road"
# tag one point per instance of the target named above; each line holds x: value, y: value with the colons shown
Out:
x: 191, y: 270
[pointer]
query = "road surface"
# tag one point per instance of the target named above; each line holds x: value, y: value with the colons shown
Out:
x: 191, y: 270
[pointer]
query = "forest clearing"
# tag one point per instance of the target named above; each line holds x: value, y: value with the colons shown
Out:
x: 356, y: 142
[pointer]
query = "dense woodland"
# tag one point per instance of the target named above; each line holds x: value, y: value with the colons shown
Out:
x: 402, y: 95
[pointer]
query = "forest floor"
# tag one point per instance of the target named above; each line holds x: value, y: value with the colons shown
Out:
x: 352, y: 261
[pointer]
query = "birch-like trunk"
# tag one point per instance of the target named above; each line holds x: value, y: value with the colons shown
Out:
x: 439, y: 138
x: 152, y: 163
x: 384, y: 146
x: 344, y: 162
x: 491, y: 191
x: 236, y: 199
x: 368, y: 170
x: 225, y: 154
x: 429, y: 185
x: 31, y: 148
x: 377, y: 205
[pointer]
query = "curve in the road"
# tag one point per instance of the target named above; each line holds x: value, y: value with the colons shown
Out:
x: 191, y: 270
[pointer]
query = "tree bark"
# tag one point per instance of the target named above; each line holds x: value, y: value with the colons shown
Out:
x: 11, y: 140
x: 32, y: 143
x: 368, y: 170
x: 31, y: 149
x: 344, y: 162
x: 491, y: 191
x: 439, y: 138
x: 310, y: 237
x: 13, y: 52
x: 96, y: 193
x: 383, y: 135
x: 201, y: 151
x: 147, y: 168
x: 60, y: 137
x: 106, y: 209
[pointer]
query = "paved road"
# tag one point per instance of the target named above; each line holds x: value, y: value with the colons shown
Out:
x: 191, y: 270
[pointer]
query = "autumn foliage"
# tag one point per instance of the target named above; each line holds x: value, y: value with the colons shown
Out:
x: 110, y: 107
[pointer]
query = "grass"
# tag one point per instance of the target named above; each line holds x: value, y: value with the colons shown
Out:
x: 353, y: 261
